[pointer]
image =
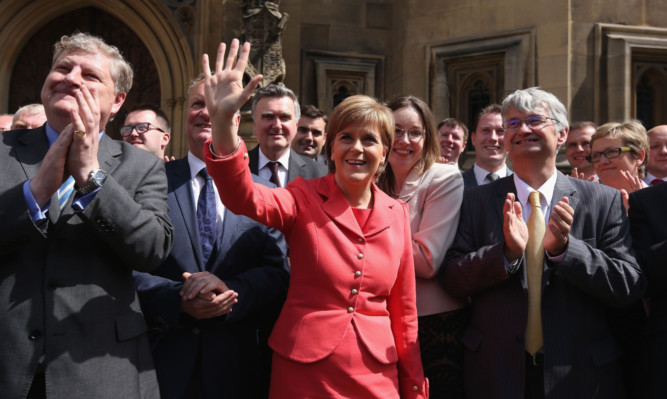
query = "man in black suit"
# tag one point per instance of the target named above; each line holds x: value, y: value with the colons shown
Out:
x: 79, y: 212
x: 648, y: 223
x: 211, y: 344
x: 275, y: 112
x: 539, y: 326
x: 488, y: 139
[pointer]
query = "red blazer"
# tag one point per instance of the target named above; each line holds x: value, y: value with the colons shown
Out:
x: 339, y: 274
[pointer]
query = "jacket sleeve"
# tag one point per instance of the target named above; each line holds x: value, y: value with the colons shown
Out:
x: 475, y: 261
x: 135, y: 224
x: 439, y: 217
x: 604, y: 266
x: 402, y: 306
x: 274, y: 207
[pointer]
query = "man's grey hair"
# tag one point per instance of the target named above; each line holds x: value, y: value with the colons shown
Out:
x: 30, y: 109
x: 121, y: 70
x: 531, y: 99
x: 275, y: 91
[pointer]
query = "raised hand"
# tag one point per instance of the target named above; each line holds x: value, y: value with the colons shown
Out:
x: 514, y: 229
x: 51, y: 173
x: 558, y: 229
x: 85, y: 127
x: 225, y: 93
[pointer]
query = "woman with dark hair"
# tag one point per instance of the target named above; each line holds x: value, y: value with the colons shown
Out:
x: 348, y: 328
x: 433, y: 192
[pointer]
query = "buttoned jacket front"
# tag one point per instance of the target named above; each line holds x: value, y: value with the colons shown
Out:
x: 340, y: 277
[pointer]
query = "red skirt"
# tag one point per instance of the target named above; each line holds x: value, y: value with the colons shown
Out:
x: 350, y: 371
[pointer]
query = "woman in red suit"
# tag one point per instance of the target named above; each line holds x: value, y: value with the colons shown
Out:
x: 348, y: 328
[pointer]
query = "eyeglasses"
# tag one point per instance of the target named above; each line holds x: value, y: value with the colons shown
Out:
x: 533, y: 122
x: 414, y: 134
x: 139, y: 127
x: 609, y: 153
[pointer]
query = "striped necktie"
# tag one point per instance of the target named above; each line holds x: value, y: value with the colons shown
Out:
x: 65, y: 191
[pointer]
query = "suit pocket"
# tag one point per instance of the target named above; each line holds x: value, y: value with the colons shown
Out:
x: 471, y: 339
x: 604, y: 352
x: 130, y: 325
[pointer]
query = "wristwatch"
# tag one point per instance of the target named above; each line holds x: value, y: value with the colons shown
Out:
x: 96, y: 179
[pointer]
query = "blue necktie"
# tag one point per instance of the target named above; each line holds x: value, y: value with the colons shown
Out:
x: 206, y: 216
x: 65, y: 191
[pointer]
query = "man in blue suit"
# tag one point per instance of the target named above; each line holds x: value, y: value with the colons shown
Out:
x: 212, y: 303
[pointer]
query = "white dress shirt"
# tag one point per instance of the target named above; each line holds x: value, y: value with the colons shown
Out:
x: 197, y: 183
x: 481, y: 173
x: 264, y: 171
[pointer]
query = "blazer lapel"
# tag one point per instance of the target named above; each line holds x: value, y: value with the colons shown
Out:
x: 336, y: 205
x: 296, y: 164
x: 33, y: 146
x: 253, y: 160
x: 563, y: 188
x: 31, y: 149
x: 179, y: 182
x: 383, y: 214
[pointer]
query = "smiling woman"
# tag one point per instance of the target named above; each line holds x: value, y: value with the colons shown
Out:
x: 433, y: 192
x: 348, y: 328
x: 618, y: 154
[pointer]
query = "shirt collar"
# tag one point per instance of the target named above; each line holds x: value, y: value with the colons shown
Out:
x: 196, y: 165
x: 284, y: 160
x: 480, y: 173
x: 547, y: 190
x: 52, y: 135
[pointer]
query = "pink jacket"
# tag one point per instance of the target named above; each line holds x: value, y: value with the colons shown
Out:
x: 339, y: 275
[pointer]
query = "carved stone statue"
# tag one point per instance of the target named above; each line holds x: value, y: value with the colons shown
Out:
x: 264, y: 25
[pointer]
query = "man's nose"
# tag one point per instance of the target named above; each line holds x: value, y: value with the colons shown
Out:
x: 73, y: 77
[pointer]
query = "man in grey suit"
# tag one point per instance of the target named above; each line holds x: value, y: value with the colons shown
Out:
x: 586, y: 268
x: 79, y: 212
x: 490, y: 154
x: 275, y: 112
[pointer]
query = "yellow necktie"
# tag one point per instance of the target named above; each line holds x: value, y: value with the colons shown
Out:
x: 534, y: 265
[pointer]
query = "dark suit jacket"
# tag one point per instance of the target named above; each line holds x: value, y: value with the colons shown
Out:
x: 598, y: 271
x: 66, y: 288
x: 648, y: 223
x: 298, y: 166
x: 250, y: 259
x: 469, y: 179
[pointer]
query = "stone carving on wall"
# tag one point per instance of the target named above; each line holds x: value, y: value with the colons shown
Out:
x: 264, y: 25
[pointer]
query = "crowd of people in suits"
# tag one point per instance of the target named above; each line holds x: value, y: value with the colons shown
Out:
x: 345, y: 256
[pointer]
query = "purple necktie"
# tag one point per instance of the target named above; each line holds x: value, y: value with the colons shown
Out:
x: 273, y: 166
x: 206, y: 215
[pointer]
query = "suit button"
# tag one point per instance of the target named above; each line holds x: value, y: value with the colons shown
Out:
x: 360, y: 256
x: 361, y: 239
x: 350, y: 309
x: 35, y: 335
x: 51, y: 287
x: 519, y: 339
x: 357, y: 273
x: 415, y: 388
x: 195, y: 331
x: 354, y: 291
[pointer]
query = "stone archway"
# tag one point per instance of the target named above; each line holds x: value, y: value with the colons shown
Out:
x: 159, y: 32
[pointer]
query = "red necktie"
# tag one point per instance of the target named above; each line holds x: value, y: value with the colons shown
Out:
x: 655, y: 182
